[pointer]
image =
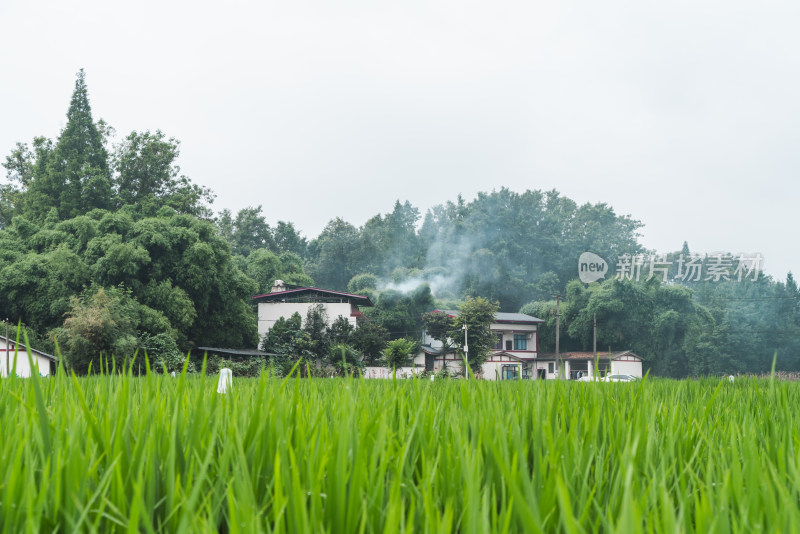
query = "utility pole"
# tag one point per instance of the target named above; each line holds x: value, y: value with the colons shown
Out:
x: 594, y: 343
x: 558, y: 329
x: 8, y: 369
x: 466, y: 353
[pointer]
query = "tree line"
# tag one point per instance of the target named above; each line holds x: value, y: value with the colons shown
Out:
x: 106, y: 248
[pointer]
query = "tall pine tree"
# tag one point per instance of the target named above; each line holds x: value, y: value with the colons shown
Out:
x: 76, y: 177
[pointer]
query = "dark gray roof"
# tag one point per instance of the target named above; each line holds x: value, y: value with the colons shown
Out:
x: 587, y: 355
x: 312, y: 294
x: 502, y: 317
x: 235, y: 352
x: 23, y: 348
x: 516, y: 318
x: 510, y: 355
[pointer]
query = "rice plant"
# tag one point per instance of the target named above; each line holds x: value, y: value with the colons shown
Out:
x: 118, y: 453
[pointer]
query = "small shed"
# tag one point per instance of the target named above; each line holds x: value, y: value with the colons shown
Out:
x: 14, y: 359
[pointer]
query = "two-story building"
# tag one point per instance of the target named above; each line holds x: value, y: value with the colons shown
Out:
x: 513, y: 356
x: 284, y: 300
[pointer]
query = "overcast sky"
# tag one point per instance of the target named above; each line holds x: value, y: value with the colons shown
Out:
x: 683, y: 114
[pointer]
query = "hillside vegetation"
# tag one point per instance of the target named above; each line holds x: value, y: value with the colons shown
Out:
x: 105, y: 247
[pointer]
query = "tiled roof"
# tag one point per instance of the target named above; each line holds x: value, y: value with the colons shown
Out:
x: 235, y: 352
x: 503, y: 317
x: 587, y: 355
x: 516, y: 318
x: 289, y: 293
x: 23, y: 348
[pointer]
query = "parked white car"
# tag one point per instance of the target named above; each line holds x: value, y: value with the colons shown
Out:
x: 620, y: 378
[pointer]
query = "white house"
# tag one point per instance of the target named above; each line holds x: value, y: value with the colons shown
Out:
x: 578, y: 364
x: 14, y: 358
x: 284, y: 301
x: 513, y: 357
x: 516, y: 355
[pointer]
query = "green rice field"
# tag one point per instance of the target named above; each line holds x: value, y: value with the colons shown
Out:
x: 154, y: 453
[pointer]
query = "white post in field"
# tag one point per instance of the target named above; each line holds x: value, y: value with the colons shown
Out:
x: 466, y: 353
x: 225, y: 380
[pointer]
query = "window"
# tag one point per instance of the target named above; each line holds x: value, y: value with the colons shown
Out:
x: 508, y: 344
x: 520, y: 342
x: 510, y: 372
x: 551, y: 368
x: 499, y: 344
x: 578, y: 369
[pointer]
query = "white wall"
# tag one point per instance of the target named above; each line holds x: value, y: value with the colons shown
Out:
x: 507, y: 330
x: 630, y: 367
x: 270, y: 312
x: 545, y: 365
x: 41, y: 363
x: 494, y: 370
x: 384, y: 372
x: 455, y: 365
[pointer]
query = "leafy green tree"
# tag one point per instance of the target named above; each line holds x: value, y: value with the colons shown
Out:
x: 363, y: 281
x: 518, y: 247
x: 401, y: 313
x: 341, y: 331
x: 345, y: 359
x: 288, y: 239
x: 293, y: 270
x: 264, y: 267
x: 36, y: 288
x: 225, y: 226
x: 251, y: 232
x: 661, y: 323
x: 335, y: 251
x: 285, y: 343
x: 176, y: 264
x: 546, y: 331
x: 104, y: 325
x: 174, y: 303
x: 438, y: 325
x: 20, y: 167
x: 163, y: 353
x: 316, y: 327
x: 388, y: 242
x: 370, y: 339
x: 477, y: 314
x: 148, y: 177
x: 788, y: 323
x: 75, y: 176
x: 398, y: 353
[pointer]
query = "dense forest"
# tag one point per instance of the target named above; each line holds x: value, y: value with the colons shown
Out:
x: 106, y: 248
